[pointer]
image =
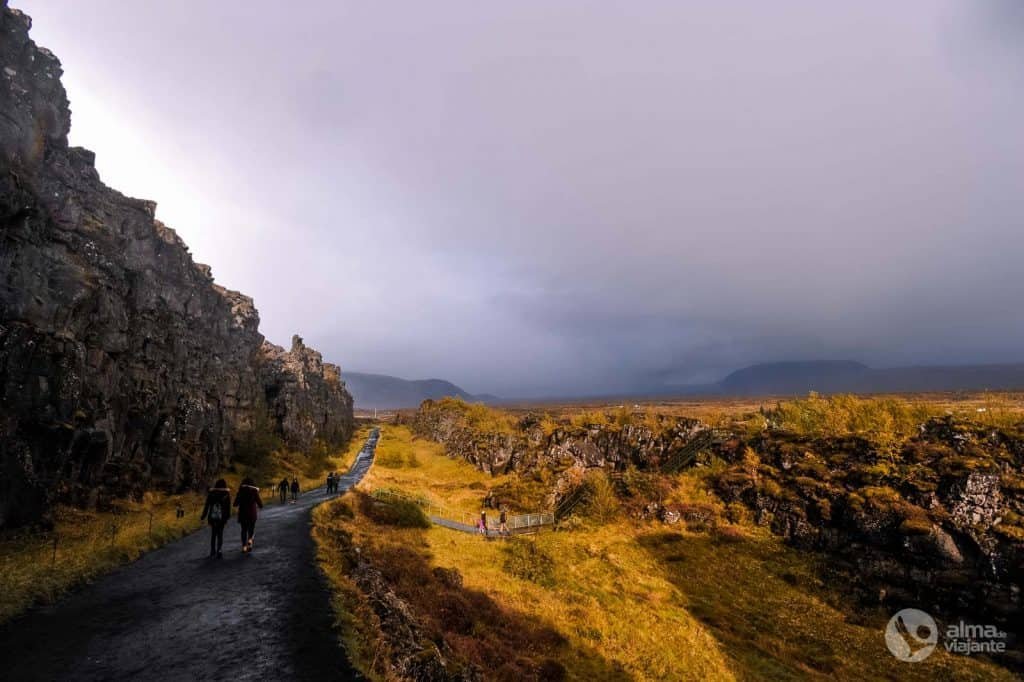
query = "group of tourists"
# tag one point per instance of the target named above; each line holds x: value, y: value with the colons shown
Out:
x: 217, y: 511
x: 283, y: 487
x: 485, y: 530
x: 333, y: 482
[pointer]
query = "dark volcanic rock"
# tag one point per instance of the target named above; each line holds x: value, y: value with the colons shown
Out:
x: 526, y: 444
x: 122, y: 364
x: 938, y: 523
x: 306, y: 396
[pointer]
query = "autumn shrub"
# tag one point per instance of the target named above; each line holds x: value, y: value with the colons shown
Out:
x: 885, y: 422
x: 400, y: 513
x: 602, y: 504
x: 528, y: 561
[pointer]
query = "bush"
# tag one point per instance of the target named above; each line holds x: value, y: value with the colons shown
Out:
x: 339, y: 509
x: 400, y: 513
x: 551, y: 671
x: 602, y: 503
x: 476, y: 416
x: 883, y: 421
x: 528, y: 561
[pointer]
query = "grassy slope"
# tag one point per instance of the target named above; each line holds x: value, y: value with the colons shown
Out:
x: 86, y: 547
x: 625, y: 600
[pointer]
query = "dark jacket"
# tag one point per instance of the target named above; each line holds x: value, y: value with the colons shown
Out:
x: 249, y: 503
x: 283, y: 485
x: 217, y: 496
x: 295, y: 486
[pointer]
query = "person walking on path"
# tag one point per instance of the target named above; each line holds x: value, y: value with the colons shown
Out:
x: 483, y: 522
x: 249, y: 504
x: 503, y: 521
x: 330, y: 482
x: 217, y: 511
x: 282, y: 490
x: 295, y: 489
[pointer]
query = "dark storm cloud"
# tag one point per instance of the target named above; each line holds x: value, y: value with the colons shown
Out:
x: 573, y: 197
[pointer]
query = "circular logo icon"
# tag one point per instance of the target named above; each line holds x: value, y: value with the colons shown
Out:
x: 911, y: 635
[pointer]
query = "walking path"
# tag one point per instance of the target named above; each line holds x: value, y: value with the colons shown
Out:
x: 518, y: 524
x: 176, y: 614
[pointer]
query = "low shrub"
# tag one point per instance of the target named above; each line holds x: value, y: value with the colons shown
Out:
x: 400, y: 513
x: 528, y: 561
x: 602, y: 504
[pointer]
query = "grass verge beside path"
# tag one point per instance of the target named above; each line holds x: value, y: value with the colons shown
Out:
x: 88, y: 544
x: 91, y: 543
x: 618, y: 600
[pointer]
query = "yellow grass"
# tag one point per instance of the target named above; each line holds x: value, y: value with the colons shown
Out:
x: 91, y: 543
x: 88, y: 544
x: 990, y: 408
x: 632, y: 600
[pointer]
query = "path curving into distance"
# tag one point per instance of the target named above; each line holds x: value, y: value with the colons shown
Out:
x: 176, y: 614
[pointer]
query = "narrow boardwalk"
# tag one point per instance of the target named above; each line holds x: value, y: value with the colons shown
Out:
x: 175, y: 614
x: 518, y: 524
x: 454, y: 525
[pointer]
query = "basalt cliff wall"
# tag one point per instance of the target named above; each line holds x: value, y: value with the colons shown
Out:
x: 123, y: 365
x: 935, y: 519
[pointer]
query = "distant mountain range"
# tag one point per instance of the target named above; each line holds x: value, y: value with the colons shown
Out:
x: 792, y: 378
x: 380, y: 391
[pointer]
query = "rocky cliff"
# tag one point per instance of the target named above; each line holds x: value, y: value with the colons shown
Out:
x: 934, y: 519
x: 305, y: 395
x: 122, y: 364
x: 497, y: 443
x: 939, y: 520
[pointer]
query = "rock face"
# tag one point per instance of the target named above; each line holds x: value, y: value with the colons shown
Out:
x: 497, y: 443
x: 306, y: 396
x: 122, y: 364
x: 497, y: 446
x: 939, y: 523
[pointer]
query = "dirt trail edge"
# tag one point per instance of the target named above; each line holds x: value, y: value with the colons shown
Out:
x: 176, y: 614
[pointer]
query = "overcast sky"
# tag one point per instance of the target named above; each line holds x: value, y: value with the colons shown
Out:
x: 572, y: 197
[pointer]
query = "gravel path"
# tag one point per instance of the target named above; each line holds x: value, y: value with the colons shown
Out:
x: 175, y: 614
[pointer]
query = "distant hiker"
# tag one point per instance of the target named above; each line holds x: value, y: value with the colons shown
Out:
x: 249, y: 504
x: 337, y: 481
x: 282, y: 490
x: 295, y: 489
x: 217, y: 511
x: 503, y: 522
x: 483, y: 522
x: 330, y: 483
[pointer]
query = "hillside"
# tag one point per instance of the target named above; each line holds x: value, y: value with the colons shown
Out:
x: 654, y: 576
x: 796, y: 378
x: 380, y: 391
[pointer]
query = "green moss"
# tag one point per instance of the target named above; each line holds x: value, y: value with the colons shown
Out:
x: 916, y: 525
x: 769, y: 486
x: 855, y: 501
x: 881, y: 496
x: 1013, y: 533
x: 813, y: 467
x: 960, y: 465
x: 808, y: 485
